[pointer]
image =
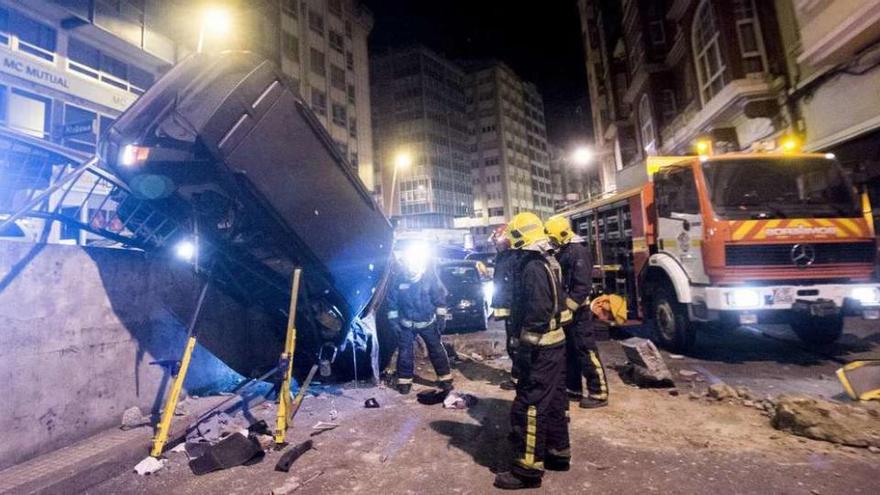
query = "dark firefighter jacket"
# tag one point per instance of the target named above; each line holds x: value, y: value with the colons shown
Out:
x: 416, y: 301
x: 537, y: 295
x: 577, y: 267
x: 502, y: 280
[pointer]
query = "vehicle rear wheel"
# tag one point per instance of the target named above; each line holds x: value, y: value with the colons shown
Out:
x: 673, y: 329
x: 818, y: 330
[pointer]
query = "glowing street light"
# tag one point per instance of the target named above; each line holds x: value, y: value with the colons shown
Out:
x: 185, y: 250
x: 583, y: 156
x: 216, y: 22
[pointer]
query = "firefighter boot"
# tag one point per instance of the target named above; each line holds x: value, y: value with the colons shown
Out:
x: 509, y: 481
x: 592, y: 403
x: 508, y: 385
x: 445, y: 385
x: 557, y: 463
x: 404, y: 388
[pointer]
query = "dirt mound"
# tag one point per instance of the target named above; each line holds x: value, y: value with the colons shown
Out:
x: 823, y: 420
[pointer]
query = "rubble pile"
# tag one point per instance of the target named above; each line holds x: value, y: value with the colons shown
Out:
x: 828, y: 421
x: 645, y: 366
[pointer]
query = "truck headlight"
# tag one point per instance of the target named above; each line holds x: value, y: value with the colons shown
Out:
x: 866, y: 296
x: 465, y: 304
x: 744, y: 298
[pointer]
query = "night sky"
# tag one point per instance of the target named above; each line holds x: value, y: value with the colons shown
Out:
x: 540, y: 40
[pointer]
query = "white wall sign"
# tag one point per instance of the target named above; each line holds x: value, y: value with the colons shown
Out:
x: 48, y: 75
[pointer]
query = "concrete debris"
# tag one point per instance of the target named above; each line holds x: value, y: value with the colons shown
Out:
x: 133, y: 418
x: 179, y: 448
x: 149, y: 466
x: 459, y: 400
x: 744, y: 393
x: 371, y: 403
x: 321, y: 426
x: 873, y: 449
x: 265, y: 441
x: 215, y: 427
x: 475, y: 356
x: 646, y: 367
x: 828, y: 421
x: 722, y: 391
x: 675, y: 356
x: 687, y: 373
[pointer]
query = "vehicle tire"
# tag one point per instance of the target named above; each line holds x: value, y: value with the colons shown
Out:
x: 673, y: 330
x: 818, y: 330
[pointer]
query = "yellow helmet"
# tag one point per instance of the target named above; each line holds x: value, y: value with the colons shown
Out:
x: 559, y: 229
x: 524, y: 230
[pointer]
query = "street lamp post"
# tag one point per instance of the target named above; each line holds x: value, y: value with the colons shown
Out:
x: 215, y: 21
x: 402, y: 161
x: 582, y: 157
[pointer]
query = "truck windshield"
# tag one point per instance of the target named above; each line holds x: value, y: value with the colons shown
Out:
x: 791, y: 188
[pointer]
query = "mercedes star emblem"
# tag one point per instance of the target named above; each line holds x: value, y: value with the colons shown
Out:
x: 803, y: 255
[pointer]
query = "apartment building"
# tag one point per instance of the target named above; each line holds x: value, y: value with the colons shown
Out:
x: 421, y: 137
x: 510, y: 160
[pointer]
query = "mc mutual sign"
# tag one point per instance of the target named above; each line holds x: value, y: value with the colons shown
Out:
x: 47, y: 74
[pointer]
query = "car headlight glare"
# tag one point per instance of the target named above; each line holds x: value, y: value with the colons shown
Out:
x: 465, y: 304
x: 744, y: 298
x: 867, y: 296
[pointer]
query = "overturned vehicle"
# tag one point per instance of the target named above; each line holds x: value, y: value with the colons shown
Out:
x: 223, y: 146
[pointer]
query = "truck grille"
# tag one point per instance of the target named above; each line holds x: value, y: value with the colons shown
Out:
x: 780, y: 254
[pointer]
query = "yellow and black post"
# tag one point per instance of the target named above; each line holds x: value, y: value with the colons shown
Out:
x: 286, y: 365
x: 179, y: 376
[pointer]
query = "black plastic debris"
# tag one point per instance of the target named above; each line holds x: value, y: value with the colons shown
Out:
x: 371, y: 403
x: 292, y: 455
x: 234, y: 450
x: 431, y: 397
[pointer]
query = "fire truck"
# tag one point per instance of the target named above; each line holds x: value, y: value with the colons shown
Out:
x: 736, y: 239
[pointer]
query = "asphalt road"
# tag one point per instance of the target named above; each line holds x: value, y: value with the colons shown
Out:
x: 769, y: 359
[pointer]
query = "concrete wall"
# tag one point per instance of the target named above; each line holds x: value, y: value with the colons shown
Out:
x: 81, y: 328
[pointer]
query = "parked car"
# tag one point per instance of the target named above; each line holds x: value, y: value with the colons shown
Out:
x: 468, y: 306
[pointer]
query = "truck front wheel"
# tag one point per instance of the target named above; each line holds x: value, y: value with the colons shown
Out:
x: 673, y: 329
x: 818, y: 330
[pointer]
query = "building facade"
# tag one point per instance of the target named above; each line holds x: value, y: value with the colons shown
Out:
x: 833, y: 55
x: 510, y: 160
x: 322, y: 45
x: 666, y: 73
x: 419, y: 113
x: 71, y: 67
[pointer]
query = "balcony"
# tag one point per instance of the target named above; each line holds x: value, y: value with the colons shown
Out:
x: 834, y: 31
x: 723, y: 109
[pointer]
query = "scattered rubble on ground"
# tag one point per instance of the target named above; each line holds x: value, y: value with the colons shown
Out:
x: 149, y: 465
x: 133, y: 418
x: 459, y: 400
x: 645, y: 366
x: 824, y: 420
x: 722, y: 391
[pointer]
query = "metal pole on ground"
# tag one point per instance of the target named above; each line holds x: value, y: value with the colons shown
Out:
x: 286, y: 364
x: 174, y: 395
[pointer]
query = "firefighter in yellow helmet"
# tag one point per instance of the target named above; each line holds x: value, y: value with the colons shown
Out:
x: 582, y: 356
x: 538, y: 416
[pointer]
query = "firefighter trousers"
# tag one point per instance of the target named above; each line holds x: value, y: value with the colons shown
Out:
x: 436, y: 353
x: 582, y: 360
x: 511, y: 344
x: 539, y: 414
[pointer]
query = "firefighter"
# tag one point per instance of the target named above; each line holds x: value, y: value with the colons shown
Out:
x: 539, y: 414
x: 505, y: 258
x: 582, y: 358
x: 417, y: 307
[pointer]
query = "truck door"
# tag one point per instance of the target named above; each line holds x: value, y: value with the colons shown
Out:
x: 680, y: 224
